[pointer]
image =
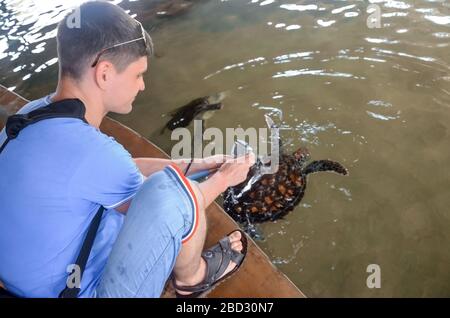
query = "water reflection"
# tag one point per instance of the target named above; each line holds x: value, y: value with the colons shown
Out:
x: 299, y: 7
x: 26, y: 29
x: 291, y: 73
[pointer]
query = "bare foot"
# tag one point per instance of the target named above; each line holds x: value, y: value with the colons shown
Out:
x: 236, y: 244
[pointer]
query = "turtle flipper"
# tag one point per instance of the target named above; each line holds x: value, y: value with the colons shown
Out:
x: 325, y: 165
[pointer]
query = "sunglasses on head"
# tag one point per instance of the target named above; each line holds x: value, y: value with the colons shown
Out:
x: 143, y: 37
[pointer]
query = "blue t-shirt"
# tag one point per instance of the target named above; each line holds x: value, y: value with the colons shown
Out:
x: 53, y: 178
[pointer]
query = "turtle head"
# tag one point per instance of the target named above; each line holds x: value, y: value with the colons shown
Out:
x: 216, y: 106
x: 216, y: 98
x: 208, y: 110
x: 212, y: 103
x: 302, y: 154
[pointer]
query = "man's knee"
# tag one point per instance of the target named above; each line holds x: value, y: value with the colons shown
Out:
x: 198, y: 195
x: 165, y: 204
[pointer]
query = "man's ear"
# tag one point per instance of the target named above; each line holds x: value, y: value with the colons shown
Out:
x: 103, y: 73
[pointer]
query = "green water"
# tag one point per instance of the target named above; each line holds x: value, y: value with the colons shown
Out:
x: 376, y: 100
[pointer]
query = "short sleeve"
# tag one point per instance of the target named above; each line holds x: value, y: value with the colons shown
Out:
x: 107, y: 176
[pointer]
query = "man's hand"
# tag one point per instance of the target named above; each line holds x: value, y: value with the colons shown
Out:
x: 216, y: 160
x: 235, y: 171
x: 231, y: 172
x: 200, y: 164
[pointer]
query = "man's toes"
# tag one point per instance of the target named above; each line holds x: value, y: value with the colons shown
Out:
x: 235, y: 236
x: 237, y: 246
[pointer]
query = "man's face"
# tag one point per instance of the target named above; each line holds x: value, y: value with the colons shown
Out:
x: 125, y: 86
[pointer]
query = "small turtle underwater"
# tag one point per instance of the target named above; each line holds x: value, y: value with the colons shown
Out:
x: 199, y: 108
x: 273, y: 196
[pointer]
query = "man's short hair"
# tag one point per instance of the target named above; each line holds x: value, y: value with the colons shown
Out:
x: 101, y: 25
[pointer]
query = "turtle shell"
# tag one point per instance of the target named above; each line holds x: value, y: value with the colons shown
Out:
x: 273, y: 195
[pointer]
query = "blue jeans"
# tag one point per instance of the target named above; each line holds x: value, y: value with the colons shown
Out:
x: 162, y: 215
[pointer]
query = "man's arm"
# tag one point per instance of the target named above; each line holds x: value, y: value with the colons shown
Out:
x: 230, y: 173
x: 148, y: 166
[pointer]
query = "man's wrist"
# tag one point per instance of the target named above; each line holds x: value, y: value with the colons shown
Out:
x: 211, y: 162
x: 220, y: 181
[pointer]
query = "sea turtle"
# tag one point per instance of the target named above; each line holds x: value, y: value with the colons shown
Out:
x: 272, y: 196
x: 199, y: 108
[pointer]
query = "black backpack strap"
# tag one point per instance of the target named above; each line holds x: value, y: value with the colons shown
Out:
x: 68, y: 108
x: 83, y: 256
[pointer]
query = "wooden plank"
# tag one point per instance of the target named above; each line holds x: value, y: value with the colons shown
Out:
x: 257, y: 277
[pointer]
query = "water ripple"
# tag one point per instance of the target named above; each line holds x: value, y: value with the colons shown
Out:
x: 441, y: 20
x: 299, y: 7
x: 291, y: 73
x: 381, y: 117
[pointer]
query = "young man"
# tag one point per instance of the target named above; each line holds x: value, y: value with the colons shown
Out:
x: 58, y: 172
